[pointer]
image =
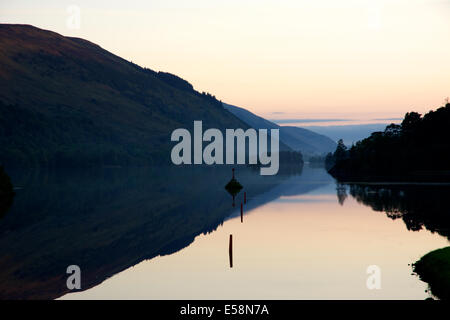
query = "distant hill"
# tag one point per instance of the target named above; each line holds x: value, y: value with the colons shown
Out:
x: 67, y: 102
x: 298, y: 139
x: 349, y: 133
x: 417, y: 150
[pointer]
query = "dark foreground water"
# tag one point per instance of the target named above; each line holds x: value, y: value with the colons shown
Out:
x: 163, y: 233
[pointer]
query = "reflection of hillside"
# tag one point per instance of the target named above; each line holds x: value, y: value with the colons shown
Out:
x: 295, y: 184
x: 108, y: 220
x: 418, y: 206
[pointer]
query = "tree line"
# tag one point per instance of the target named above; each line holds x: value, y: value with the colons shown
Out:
x: 417, y: 149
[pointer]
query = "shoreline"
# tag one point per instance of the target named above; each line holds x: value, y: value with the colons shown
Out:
x: 434, y: 269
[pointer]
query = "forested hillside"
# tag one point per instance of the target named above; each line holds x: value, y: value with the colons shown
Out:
x: 67, y: 102
x: 416, y: 150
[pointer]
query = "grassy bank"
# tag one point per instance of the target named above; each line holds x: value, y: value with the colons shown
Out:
x: 434, y: 268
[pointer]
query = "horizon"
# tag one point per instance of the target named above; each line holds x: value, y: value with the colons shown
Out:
x: 370, y: 56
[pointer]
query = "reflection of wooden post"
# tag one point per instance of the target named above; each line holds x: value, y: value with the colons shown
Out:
x: 233, y: 172
x: 245, y: 197
x: 242, y: 213
x: 230, y: 250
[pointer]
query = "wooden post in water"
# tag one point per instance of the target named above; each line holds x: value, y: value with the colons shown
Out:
x: 242, y: 213
x: 230, y: 250
x: 245, y: 197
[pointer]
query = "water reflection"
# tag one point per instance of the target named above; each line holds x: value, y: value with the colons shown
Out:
x: 341, y: 191
x: 419, y: 206
x: 233, y: 187
x: 297, y: 242
x: 107, y: 220
x: 230, y: 250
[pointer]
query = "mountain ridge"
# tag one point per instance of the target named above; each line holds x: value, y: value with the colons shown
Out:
x: 66, y: 101
x: 298, y: 139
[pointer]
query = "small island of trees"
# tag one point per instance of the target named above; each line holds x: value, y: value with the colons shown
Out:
x: 417, y: 150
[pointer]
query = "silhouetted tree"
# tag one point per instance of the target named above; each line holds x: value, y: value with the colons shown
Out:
x: 341, y: 152
x: 329, y: 161
x: 410, y: 122
x: 393, y: 130
x: 403, y: 152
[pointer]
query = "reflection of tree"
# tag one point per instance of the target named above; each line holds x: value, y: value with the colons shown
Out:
x: 418, y: 206
x: 341, y: 191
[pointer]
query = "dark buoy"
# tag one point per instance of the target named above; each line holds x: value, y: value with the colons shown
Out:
x: 233, y: 187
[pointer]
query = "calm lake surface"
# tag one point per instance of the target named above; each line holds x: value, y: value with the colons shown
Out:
x: 164, y: 234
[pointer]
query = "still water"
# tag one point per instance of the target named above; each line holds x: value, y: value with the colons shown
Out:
x: 164, y: 234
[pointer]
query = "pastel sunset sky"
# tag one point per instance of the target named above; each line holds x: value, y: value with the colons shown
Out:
x: 308, y: 57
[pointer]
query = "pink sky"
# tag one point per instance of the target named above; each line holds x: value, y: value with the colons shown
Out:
x: 301, y: 57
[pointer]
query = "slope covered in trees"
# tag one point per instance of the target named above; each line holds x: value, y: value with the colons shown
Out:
x: 66, y: 102
x: 416, y: 150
